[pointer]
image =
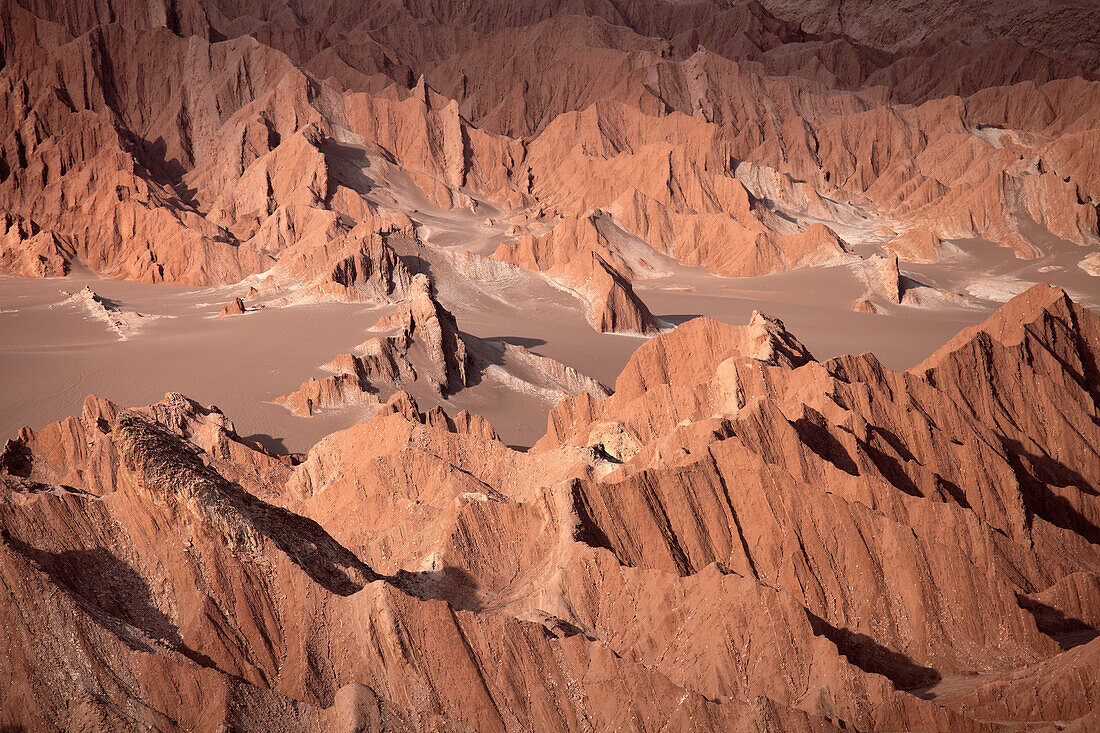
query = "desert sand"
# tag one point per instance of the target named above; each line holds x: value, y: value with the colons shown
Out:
x: 53, y: 354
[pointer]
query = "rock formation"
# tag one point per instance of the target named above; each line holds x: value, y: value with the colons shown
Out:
x: 291, y: 151
x: 338, y: 391
x: 919, y: 245
x: 578, y: 256
x: 420, y: 341
x: 122, y: 322
x: 1090, y: 263
x: 885, y: 281
x: 879, y: 535
x: 739, y: 536
x: 423, y: 319
x: 233, y: 308
x: 27, y: 250
x: 328, y: 264
x: 888, y: 276
x: 863, y: 305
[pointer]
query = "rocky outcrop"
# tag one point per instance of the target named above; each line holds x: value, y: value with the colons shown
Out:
x: 234, y: 308
x: 885, y: 282
x: 880, y: 534
x: 682, y: 359
x: 78, y: 451
x: 862, y: 305
x: 887, y: 277
x: 328, y: 264
x: 420, y: 342
x: 338, y: 391
x: 576, y: 255
x: 421, y: 318
x: 1090, y: 263
x: 29, y: 251
x: 920, y: 245
x: 122, y: 322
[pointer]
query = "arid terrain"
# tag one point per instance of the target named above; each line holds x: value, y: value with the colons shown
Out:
x: 657, y: 365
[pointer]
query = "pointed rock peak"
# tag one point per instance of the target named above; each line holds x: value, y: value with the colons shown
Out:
x: 1007, y: 322
x: 472, y: 424
x: 863, y: 305
x: 233, y: 308
x: 422, y: 91
x: 98, y: 411
x: 1027, y: 306
x: 402, y: 403
x: 1010, y: 322
x: 773, y: 344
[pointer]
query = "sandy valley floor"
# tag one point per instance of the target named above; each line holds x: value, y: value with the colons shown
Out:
x: 53, y: 352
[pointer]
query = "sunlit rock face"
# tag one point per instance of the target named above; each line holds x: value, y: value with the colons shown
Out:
x: 487, y: 210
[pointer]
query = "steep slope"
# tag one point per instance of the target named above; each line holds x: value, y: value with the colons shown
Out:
x: 259, y: 139
x: 739, y: 536
x: 879, y: 534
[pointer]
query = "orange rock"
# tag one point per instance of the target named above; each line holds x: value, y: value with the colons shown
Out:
x: 739, y: 537
x: 234, y: 308
x: 917, y: 245
x: 731, y: 492
x: 575, y: 254
x: 862, y: 305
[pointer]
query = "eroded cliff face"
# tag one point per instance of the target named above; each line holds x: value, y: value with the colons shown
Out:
x: 739, y: 537
x: 209, y: 142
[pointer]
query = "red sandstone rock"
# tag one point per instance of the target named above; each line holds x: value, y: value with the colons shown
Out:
x: 234, y: 308
x: 917, y: 245
x: 576, y: 254
x: 875, y: 531
x: 421, y: 322
x: 218, y: 186
x: 739, y: 537
x: 863, y: 305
